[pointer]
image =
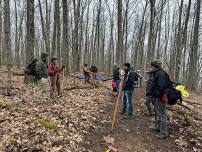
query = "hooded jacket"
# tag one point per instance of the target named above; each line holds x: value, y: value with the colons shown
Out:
x: 159, y: 83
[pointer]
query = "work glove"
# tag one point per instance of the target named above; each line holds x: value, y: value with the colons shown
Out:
x: 164, y: 98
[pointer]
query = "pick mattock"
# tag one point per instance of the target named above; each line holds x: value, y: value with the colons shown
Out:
x: 117, y: 104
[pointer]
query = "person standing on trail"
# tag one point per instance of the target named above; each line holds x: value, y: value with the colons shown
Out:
x: 149, y: 99
x: 31, y: 70
x: 116, y: 77
x: 159, y: 85
x: 54, y: 73
x: 93, y: 70
x: 42, y: 74
x: 86, y: 73
x: 129, y: 78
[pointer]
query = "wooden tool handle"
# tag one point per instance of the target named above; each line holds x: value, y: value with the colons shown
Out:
x: 116, y: 105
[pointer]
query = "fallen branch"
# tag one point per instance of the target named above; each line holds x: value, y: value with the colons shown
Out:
x: 186, y: 107
x: 21, y: 73
x: 74, y: 88
x: 191, y: 102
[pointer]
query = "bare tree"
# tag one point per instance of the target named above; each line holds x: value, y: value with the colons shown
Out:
x: 47, y: 45
x: 151, y: 39
x: 178, y: 44
x: 192, y: 75
x: 30, y: 38
x: 56, y: 32
x: 119, y: 46
x: 0, y: 33
x: 65, y: 48
x: 184, y: 40
x: 7, y: 44
x: 76, y: 59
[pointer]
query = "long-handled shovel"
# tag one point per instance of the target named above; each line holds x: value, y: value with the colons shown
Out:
x: 116, y: 105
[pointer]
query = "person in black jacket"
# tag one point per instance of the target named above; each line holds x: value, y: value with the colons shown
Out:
x: 93, y: 70
x: 129, y: 78
x: 159, y: 85
x: 86, y: 73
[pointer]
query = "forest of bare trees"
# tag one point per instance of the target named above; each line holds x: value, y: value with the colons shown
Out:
x: 104, y: 32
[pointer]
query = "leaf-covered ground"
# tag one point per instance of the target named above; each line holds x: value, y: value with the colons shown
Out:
x: 81, y: 120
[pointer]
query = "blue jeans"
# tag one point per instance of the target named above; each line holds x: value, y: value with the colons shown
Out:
x: 127, y: 101
x: 117, y: 85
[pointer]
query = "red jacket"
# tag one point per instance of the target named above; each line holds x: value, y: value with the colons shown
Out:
x: 53, y: 69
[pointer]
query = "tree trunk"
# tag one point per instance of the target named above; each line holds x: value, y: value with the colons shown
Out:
x: 151, y: 39
x: 119, y: 46
x: 86, y: 52
x: 192, y: 75
x: 178, y: 45
x: 76, y: 59
x: 159, y: 27
x: 125, y: 30
x: 1, y: 34
x: 7, y: 44
x: 56, y: 32
x: 48, y: 28
x: 43, y: 29
x: 65, y: 35
x: 184, y: 41
x: 30, y: 41
x: 102, y: 53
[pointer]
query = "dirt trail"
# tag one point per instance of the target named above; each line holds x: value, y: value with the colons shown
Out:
x: 134, y: 135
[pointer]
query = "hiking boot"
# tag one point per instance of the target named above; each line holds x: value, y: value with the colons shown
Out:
x: 156, y: 129
x: 122, y: 113
x: 162, y: 136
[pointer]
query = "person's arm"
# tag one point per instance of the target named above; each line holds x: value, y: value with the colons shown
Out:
x: 59, y: 69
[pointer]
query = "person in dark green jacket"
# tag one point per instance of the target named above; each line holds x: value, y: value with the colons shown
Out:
x: 42, y: 74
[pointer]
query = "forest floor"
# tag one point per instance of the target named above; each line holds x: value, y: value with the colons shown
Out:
x: 81, y: 121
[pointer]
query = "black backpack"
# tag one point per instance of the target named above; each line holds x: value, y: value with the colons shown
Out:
x: 31, y: 69
x: 134, y: 76
x: 174, y: 96
x: 93, y: 69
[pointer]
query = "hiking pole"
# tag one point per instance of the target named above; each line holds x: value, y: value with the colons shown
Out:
x: 116, y: 105
x: 51, y: 89
x: 63, y: 75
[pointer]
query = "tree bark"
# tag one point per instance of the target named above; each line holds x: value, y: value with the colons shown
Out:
x: 119, y: 46
x: 1, y: 34
x: 151, y: 39
x: 48, y: 8
x: 184, y: 41
x: 65, y: 49
x: 192, y: 75
x: 178, y: 45
x: 7, y: 44
x: 76, y: 59
x: 56, y: 32
x: 30, y: 41
x: 43, y: 29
